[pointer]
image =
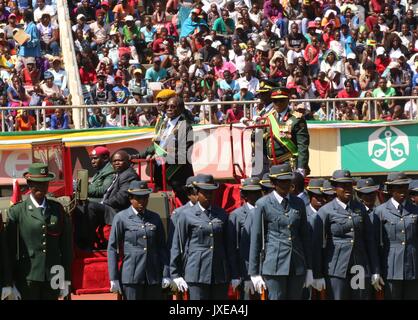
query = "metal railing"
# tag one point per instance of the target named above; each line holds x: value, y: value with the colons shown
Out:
x: 331, y: 107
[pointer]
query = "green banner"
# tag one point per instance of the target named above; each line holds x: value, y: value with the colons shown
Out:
x: 380, y: 149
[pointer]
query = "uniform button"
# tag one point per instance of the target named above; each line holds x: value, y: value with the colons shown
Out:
x: 43, y: 243
x: 403, y: 231
x: 211, y: 235
x: 352, y: 241
x: 43, y: 234
x: 401, y: 219
x: 144, y: 237
x: 145, y: 249
x: 403, y: 243
x: 43, y: 227
x: 288, y: 226
x: 44, y: 251
x: 349, y: 217
x: 210, y: 223
x: 142, y: 226
x: 211, y: 247
x: 290, y: 238
x: 352, y: 229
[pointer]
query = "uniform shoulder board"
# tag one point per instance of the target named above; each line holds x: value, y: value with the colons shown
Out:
x: 297, y: 114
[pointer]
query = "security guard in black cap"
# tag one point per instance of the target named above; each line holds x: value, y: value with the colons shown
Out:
x: 288, y: 138
x: 266, y: 186
x: 413, y: 191
x: 328, y: 191
x: 280, y: 252
x: 138, y: 233
x: 399, y: 236
x: 202, y: 229
x: 348, y: 242
x: 239, y: 231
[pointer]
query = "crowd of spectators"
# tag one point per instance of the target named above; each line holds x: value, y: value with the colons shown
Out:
x: 31, y: 67
x: 218, y: 50
x: 128, y: 50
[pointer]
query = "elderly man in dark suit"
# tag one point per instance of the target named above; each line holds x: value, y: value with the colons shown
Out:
x: 280, y: 252
x: 172, y: 143
x: 115, y: 198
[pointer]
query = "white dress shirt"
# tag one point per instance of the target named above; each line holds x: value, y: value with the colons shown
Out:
x: 342, y: 204
x: 36, y: 204
x: 279, y: 197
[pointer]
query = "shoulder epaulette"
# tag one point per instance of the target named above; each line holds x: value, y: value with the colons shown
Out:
x: 297, y: 114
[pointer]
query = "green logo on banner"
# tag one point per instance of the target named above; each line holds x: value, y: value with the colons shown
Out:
x: 388, y: 148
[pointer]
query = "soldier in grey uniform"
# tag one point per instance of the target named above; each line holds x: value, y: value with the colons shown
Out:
x: 203, y: 269
x: 399, y: 236
x: 138, y: 233
x: 366, y: 190
x: 280, y: 251
x: 413, y: 191
x: 328, y: 191
x: 316, y: 201
x: 348, y: 241
x: 239, y: 229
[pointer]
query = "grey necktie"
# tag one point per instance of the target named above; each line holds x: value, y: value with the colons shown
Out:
x: 400, y: 208
x: 285, y: 203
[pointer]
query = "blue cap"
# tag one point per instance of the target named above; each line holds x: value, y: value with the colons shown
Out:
x: 48, y: 75
x: 366, y: 186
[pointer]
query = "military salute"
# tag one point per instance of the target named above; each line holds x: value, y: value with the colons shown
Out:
x: 348, y: 241
x: 139, y: 234
x: 239, y: 229
x: 203, y: 268
x: 280, y: 251
x: 38, y: 239
x: 399, y: 239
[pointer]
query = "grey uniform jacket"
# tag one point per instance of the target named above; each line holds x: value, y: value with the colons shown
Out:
x: 348, y: 239
x: 141, y: 240
x: 239, y: 231
x: 399, y: 237
x: 199, y: 251
x: 287, y: 238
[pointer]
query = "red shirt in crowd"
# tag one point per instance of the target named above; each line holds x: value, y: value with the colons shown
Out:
x: 232, y: 117
x: 345, y: 94
x: 322, y: 87
x: 159, y: 47
x: 88, y: 77
x: 381, y: 63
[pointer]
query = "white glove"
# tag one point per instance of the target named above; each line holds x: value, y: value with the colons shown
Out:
x: 115, y: 286
x: 256, y: 118
x: 258, y: 283
x: 66, y: 290
x: 181, y: 284
x: 377, y: 282
x: 308, y: 279
x: 249, y: 287
x: 165, y: 283
x: 6, y: 292
x: 319, y: 284
x: 301, y: 171
x: 16, y: 294
x: 235, y: 283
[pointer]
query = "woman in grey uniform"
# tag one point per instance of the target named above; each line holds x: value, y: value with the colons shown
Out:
x: 138, y: 234
x: 199, y: 252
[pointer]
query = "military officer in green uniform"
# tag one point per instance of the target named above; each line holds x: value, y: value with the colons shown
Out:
x: 39, y: 242
x: 101, y: 181
x: 289, y: 136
